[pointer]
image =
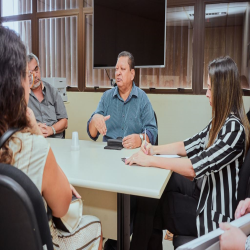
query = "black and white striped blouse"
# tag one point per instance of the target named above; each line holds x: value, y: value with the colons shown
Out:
x: 219, y: 166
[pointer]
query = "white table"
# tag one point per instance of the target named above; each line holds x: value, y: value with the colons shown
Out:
x: 96, y: 168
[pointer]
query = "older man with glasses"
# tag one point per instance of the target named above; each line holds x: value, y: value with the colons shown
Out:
x: 46, y: 102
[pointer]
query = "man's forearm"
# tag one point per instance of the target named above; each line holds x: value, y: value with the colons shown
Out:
x: 92, y: 129
x: 61, y: 125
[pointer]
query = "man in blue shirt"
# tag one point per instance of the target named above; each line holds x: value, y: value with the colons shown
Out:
x: 124, y: 111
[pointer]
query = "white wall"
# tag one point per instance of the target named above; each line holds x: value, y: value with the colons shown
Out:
x: 179, y: 116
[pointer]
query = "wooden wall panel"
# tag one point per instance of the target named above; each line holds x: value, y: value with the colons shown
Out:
x: 222, y: 41
x: 174, y: 74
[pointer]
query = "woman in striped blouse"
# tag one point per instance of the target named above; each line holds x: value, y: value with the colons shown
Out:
x: 214, y: 158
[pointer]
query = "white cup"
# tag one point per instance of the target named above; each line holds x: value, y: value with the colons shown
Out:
x: 75, y: 141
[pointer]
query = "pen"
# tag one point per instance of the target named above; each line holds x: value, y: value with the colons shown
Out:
x: 145, y: 138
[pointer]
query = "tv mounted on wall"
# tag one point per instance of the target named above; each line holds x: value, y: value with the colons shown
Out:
x: 137, y: 26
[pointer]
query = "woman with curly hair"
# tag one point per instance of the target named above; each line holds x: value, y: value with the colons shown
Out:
x: 29, y: 151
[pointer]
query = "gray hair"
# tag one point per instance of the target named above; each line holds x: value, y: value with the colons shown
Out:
x: 131, y: 60
x: 31, y: 56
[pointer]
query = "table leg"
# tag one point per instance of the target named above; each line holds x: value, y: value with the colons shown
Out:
x: 123, y: 221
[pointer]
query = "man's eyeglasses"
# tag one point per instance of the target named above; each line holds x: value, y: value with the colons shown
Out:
x: 31, y: 79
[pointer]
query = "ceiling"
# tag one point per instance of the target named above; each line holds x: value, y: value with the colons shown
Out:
x: 223, y: 14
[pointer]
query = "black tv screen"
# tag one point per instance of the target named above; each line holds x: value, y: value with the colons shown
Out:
x: 137, y: 26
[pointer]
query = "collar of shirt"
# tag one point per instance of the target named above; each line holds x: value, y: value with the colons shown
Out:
x: 134, y: 92
x: 43, y: 90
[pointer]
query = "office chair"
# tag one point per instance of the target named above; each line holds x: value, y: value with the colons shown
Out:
x: 243, y: 193
x: 156, y: 142
x: 24, y: 222
x: 248, y: 116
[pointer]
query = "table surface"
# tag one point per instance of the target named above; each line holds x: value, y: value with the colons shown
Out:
x: 94, y: 167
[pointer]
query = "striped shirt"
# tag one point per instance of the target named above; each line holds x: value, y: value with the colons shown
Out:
x: 218, y: 168
x: 51, y: 109
x: 128, y: 117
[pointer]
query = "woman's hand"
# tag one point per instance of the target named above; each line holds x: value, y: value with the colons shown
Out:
x: 77, y: 195
x: 232, y: 238
x: 139, y: 158
x: 147, y: 148
x: 31, y: 118
x: 243, y: 208
x: 32, y: 122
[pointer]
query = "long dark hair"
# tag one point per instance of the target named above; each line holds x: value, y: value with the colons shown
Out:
x: 12, y: 97
x: 226, y: 96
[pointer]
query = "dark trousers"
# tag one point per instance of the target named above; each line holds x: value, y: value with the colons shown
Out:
x: 175, y: 211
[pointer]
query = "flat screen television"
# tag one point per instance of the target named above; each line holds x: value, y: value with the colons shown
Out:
x: 137, y: 26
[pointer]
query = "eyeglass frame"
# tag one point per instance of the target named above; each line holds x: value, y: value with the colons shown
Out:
x: 31, y: 78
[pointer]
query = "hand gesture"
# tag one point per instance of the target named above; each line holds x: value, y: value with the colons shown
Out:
x: 131, y: 141
x: 147, y: 148
x: 232, y: 238
x: 243, y: 208
x: 99, y: 123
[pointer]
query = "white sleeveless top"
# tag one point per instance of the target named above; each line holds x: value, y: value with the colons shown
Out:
x: 30, y: 154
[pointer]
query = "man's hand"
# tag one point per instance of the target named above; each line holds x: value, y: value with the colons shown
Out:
x: 46, y: 130
x: 232, y: 238
x: 99, y: 123
x: 131, y: 141
x: 243, y: 208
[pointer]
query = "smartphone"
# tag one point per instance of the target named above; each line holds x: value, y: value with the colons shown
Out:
x: 123, y: 159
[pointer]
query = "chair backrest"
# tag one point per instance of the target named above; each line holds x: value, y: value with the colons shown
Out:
x: 24, y: 222
x: 248, y: 116
x: 156, y: 142
x: 243, y: 188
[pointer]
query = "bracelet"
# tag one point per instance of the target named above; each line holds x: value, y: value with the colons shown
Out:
x: 247, y: 245
x: 54, y: 131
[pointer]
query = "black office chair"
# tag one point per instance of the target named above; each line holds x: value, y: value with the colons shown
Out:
x: 24, y: 222
x: 248, y: 116
x: 243, y: 193
x: 156, y: 142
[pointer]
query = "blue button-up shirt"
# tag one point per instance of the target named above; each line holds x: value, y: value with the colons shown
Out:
x: 126, y: 117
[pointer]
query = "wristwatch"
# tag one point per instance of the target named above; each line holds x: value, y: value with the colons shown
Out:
x: 141, y: 136
x: 53, y: 129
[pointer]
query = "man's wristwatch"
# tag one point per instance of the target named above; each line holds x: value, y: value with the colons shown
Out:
x: 141, y: 136
x: 53, y: 129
